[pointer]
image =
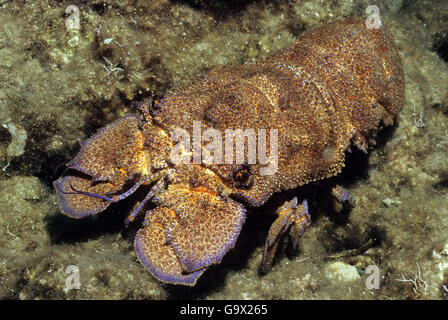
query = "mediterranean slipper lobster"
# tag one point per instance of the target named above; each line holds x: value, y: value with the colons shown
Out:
x: 304, y: 106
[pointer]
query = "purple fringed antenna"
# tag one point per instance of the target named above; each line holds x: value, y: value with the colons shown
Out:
x: 165, y: 275
x: 79, y: 205
x: 207, y: 248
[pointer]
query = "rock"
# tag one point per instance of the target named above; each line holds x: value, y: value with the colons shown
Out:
x: 388, y: 202
x: 341, y: 272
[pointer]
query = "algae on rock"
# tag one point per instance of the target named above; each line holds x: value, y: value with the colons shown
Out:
x: 61, y: 85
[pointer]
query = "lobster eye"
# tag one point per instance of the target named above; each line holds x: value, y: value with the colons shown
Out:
x: 243, y: 177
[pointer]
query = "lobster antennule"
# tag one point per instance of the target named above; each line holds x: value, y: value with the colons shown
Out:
x: 81, y: 204
x: 90, y: 194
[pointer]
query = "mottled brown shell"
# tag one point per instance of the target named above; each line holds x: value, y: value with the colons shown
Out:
x: 336, y: 86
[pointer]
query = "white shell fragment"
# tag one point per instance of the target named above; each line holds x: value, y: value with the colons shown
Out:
x: 18, y: 141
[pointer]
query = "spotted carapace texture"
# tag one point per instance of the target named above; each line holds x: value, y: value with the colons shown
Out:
x: 334, y: 88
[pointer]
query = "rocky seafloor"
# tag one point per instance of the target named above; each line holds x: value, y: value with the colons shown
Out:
x: 57, y: 86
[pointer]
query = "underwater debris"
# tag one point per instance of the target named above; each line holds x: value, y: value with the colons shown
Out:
x: 417, y: 281
x: 110, y: 67
x: 339, y: 271
x: 18, y: 141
